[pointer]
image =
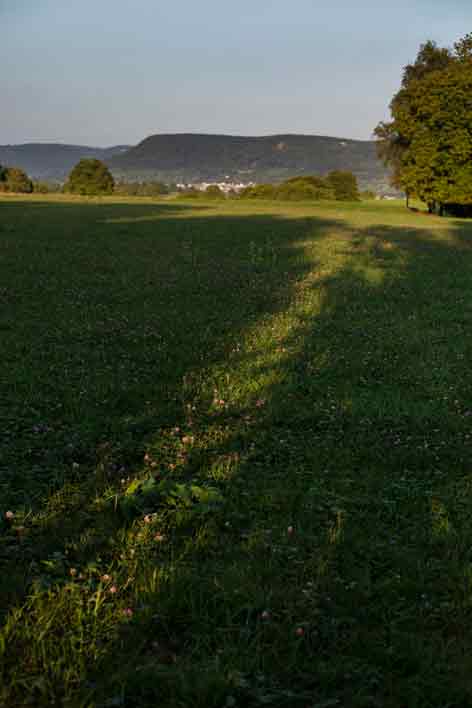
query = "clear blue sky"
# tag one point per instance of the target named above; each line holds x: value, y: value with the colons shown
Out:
x: 104, y: 72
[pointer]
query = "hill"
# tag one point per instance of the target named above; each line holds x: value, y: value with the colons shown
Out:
x: 193, y: 157
x: 52, y: 160
x: 199, y: 157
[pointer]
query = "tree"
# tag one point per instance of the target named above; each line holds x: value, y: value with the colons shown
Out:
x: 12, y: 179
x: 344, y: 185
x: 428, y: 143
x: 90, y: 177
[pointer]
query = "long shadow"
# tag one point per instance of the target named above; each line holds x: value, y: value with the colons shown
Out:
x: 364, y: 444
x: 111, y: 313
x: 371, y: 428
x: 359, y: 437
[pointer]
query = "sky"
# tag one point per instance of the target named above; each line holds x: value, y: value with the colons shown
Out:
x: 109, y: 72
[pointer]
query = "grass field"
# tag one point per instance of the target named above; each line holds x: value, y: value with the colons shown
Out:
x: 235, y: 463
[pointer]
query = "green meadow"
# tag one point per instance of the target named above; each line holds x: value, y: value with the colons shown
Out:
x: 235, y: 463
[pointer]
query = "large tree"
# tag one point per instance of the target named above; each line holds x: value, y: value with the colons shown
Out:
x: 428, y: 143
x: 90, y: 177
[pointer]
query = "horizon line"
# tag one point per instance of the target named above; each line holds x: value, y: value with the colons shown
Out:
x: 61, y: 143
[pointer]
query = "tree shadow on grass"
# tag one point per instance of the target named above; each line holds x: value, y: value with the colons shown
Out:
x: 363, y: 447
x: 113, y: 307
x: 355, y: 433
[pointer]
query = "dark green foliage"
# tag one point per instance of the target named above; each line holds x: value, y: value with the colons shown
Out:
x: 344, y: 185
x: 141, y: 189
x: 12, y: 179
x: 90, y: 177
x: 301, y: 188
x: 337, y: 185
x: 429, y: 140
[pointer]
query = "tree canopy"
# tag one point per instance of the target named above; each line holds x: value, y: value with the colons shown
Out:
x: 428, y: 143
x: 90, y: 177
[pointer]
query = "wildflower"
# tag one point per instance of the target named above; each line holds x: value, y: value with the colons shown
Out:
x: 147, y: 457
x: 187, y: 439
x: 299, y: 631
x: 290, y: 530
x: 260, y: 402
x: 159, y: 537
x: 128, y: 612
x: 113, y: 590
x: 265, y: 615
x: 75, y: 465
x: 148, y: 519
x: 9, y: 515
x: 72, y: 572
x: 105, y: 578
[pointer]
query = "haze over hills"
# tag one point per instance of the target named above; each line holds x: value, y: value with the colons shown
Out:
x: 201, y: 157
x: 194, y: 157
x: 52, y: 161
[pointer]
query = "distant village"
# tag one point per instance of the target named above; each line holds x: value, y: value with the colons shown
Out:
x: 226, y: 186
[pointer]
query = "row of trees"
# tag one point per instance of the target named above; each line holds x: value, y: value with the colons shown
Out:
x: 336, y: 185
x: 92, y: 177
x: 88, y: 177
x: 428, y: 142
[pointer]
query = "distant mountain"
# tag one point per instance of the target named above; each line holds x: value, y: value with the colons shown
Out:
x: 52, y: 161
x: 195, y: 157
x: 199, y: 157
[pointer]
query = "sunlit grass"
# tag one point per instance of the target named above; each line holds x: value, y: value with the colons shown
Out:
x: 236, y: 453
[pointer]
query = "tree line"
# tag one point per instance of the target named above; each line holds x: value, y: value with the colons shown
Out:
x: 338, y: 184
x: 91, y: 177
